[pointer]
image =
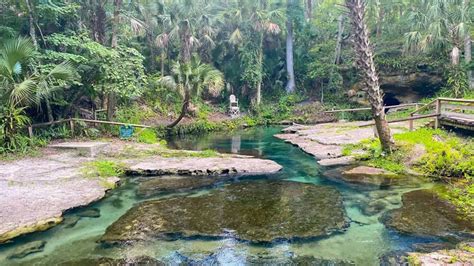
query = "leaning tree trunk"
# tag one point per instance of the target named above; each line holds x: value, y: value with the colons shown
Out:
x: 365, y: 62
x: 184, y: 57
x: 112, y: 96
x: 31, y: 23
x: 290, y: 86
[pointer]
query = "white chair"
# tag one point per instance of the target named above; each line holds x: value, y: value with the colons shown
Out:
x: 234, y: 109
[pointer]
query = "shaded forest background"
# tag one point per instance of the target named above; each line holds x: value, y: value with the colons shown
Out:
x: 139, y: 59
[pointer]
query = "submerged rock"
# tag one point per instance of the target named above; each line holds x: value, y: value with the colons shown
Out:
x: 212, y: 259
x: 27, y: 249
x: 90, y: 213
x: 142, y: 261
x: 71, y: 221
x: 254, y: 211
x: 173, y: 183
x: 369, y: 176
x: 423, y: 213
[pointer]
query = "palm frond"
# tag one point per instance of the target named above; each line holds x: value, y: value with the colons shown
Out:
x: 23, y: 93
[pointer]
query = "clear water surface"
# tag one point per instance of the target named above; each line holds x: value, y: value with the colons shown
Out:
x: 363, y: 243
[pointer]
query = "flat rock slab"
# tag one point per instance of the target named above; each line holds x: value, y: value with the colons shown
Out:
x: 175, y: 183
x: 34, y: 192
x: 423, y: 213
x: 313, y: 148
x: 203, y: 166
x: 325, y: 141
x: 346, y: 160
x: 367, y: 171
x: 90, y: 148
x: 253, y: 211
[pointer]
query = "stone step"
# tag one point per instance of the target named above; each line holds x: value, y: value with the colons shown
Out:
x: 88, y: 149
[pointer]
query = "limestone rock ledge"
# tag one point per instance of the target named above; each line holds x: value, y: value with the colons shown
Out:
x: 203, y: 166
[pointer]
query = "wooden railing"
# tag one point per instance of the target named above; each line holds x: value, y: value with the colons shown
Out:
x: 391, y: 107
x: 444, y: 107
x: 441, y: 109
x: 71, y: 122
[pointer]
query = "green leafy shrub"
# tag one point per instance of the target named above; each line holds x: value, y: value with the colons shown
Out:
x: 133, y: 114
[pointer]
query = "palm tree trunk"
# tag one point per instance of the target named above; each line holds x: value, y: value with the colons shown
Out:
x: 31, y: 24
x: 290, y: 86
x: 185, y: 39
x: 366, y: 64
x: 112, y: 97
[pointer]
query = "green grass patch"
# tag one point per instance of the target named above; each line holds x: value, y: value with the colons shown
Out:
x: 166, y: 153
x: 103, y: 169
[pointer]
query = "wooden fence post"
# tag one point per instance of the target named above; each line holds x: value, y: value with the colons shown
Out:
x: 410, y: 123
x: 438, y: 113
x: 30, y: 132
x: 71, y: 124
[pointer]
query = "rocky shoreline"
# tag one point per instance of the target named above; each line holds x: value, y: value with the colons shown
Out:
x: 35, y: 192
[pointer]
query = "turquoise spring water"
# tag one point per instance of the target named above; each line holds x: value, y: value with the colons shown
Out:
x: 363, y: 243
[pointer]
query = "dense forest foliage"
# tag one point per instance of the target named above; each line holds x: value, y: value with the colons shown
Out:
x: 179, y: 58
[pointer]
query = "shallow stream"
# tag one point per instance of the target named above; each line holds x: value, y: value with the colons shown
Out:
x: 363, y: 242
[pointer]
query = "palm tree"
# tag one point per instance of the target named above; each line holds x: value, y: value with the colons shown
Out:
x: 438, y: 24
x: 365, y: 62
x: 23, y: 85
x: 251, y: 21
x: 191, y: 80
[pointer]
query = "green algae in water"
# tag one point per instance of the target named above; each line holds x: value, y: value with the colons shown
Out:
x: 254, y: 211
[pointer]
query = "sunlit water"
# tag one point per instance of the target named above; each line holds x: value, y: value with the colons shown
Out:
x: 363, y: 242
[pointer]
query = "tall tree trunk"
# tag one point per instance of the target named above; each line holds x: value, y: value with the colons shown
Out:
x: 99, y: 19
x: 112, y: 97
x: 49, y: 110
x: 151, y: 46
x: 455, y: 56
x: 309, y: 9
x: 185, y: 41
x: 290, y: 86
x: 163, y: 57
x: 340, y: 32
x: 260, y: 70
x: 380, y: 18
x: 184, y: 57
x: 366, y: 64
x: 31, y: 23
x: 468, y: 57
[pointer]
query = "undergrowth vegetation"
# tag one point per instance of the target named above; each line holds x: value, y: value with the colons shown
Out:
x: 437, y: 153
